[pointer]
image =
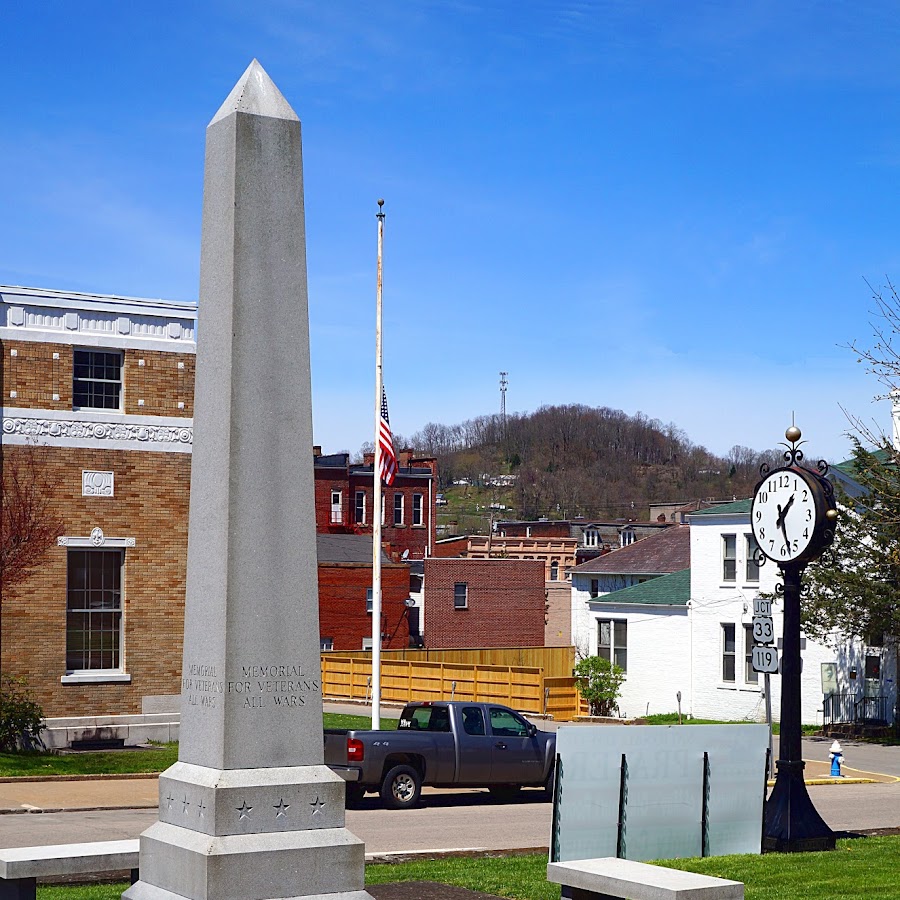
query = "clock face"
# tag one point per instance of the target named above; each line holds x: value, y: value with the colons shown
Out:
x: 785, y: 514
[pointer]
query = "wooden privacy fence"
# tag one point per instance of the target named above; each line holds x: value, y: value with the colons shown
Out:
x: 555, y: 661
x: 402, y: 681
x: 523, y: 688
x: 562, y: 700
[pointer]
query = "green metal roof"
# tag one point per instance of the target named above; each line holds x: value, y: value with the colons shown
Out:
x: 848, y: 466
x: 667, y: 590
x: 726, y: 509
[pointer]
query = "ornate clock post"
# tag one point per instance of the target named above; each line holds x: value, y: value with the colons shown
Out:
x: 793, y: 519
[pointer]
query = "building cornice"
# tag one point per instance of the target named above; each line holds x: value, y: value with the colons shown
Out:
x: 97, y: 320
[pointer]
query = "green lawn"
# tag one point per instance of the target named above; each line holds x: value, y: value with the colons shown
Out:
x: 860, y: 869
x: 672, y: 719
x: 14, y: 765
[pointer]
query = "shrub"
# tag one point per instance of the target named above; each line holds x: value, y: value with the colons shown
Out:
x: 21, y: 718
x: 599, y: 681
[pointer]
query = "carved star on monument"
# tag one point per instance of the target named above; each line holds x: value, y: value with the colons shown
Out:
x: 244, y: 810
x: 185, y: 803
x: 170, y: 799
x: 281, y: 808
x: 317, y: 806
x: 200, y: 808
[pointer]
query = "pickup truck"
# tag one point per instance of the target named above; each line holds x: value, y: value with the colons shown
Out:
x: 443, y: 744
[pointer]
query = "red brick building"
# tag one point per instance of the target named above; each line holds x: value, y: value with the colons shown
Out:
x: 344, y: 496
x: 345, y: 595
x: 484, y: 603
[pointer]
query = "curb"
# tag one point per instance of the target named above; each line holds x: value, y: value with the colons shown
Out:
x: 111, y: 776
x: 39, y: 810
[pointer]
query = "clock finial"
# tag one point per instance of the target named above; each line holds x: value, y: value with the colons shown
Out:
x: 793, y: 434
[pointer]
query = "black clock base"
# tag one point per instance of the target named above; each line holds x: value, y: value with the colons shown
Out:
x: 792, y: 823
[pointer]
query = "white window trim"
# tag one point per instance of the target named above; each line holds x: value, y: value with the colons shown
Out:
x: 465, y: 584
x: 99, y: 676
x: 402, y: 510
x: 722, y: 652
x: 337, y: 509
x: 421, y: 511
x: 748, y: 539
x: 95, y: 542
x: 722, y: 546
x: 107, y: 409
x: 356, y: 506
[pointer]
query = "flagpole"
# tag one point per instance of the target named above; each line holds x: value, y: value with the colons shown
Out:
x: 376, y: 498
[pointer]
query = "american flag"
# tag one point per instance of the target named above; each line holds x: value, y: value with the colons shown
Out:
x: 386, y: 442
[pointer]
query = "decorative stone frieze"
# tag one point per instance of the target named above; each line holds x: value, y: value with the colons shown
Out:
x: 116, y: 433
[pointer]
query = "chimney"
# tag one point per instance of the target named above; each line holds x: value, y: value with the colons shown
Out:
x: 317, y: 451
x: 404, y: 457
x: 368, y: 459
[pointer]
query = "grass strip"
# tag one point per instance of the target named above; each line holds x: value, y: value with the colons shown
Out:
x: 859, y: 869
x: 672, y: 719
x: 132, y: 761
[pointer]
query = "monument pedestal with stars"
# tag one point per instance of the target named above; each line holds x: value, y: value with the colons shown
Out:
x: 250, y: 811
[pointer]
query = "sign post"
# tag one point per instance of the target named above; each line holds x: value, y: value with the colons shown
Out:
x: 764, y: 659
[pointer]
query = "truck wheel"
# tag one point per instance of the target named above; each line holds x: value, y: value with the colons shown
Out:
x: 401, y: 788
x: 505, y: 792
x: 355, y: 795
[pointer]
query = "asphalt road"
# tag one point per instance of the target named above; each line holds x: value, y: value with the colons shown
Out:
x: 456, y: 820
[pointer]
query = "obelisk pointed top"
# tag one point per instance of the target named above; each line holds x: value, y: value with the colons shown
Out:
x: 256, y: 94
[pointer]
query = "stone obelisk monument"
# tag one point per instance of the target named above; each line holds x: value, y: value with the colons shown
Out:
x: 249, y: 811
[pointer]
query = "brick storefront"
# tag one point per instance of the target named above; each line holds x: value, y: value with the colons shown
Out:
x: 343, y: 619
x: 344, y: 496
x: 504, y: 603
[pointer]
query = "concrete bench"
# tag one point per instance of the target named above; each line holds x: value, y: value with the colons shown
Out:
x: 20, y: 867
x: 602, y: 879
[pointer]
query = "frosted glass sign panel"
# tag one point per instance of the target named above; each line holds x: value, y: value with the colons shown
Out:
x: 655, y: 792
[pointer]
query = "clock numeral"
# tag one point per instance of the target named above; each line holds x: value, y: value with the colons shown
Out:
x: 758, y: 515
x: 771, y: 544
x: 809, y: 515
x: 805, y: 496
x: 784, y: 549
x: 762, y: 533
x: 805, y: 532
x: 795, y: 546
x: 763, y: 497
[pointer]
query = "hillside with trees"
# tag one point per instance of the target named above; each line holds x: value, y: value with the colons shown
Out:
x: 586, y: 461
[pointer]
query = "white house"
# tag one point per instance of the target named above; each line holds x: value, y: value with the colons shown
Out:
x: 691, y: 632
x: 644, y: 629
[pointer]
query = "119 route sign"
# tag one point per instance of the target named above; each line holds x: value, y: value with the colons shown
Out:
x: 764, y: 659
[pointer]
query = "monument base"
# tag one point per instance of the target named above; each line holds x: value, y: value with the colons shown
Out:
x: 179, y: 863
x: 250, y: 834
x: 142, y: 891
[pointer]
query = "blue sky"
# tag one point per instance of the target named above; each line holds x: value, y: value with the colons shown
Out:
x: 659, y: 207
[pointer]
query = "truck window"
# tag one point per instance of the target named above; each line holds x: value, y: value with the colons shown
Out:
x: 425, y: 718
x: 507, y: 724
x: 473, y: 720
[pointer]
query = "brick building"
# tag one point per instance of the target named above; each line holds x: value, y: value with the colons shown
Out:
x: 344, y: 496
x: 484, y: 603
x: 345, y: 595
x: 98, y: 392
